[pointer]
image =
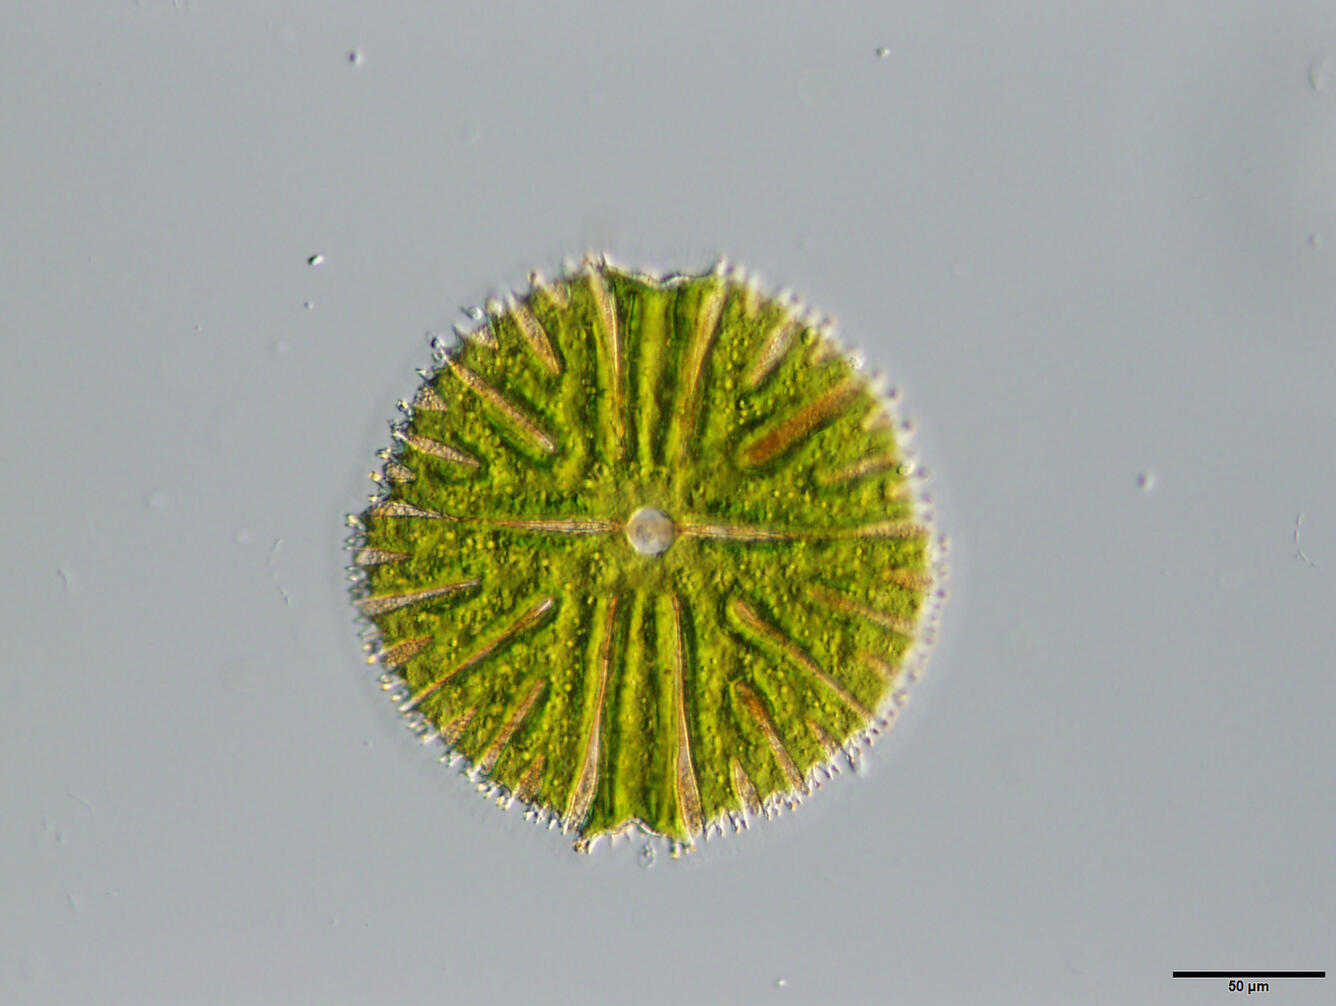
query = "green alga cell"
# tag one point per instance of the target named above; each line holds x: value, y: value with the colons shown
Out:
x: 647, y: 553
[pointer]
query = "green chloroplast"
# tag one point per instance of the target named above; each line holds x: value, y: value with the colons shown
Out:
x: 647, y: 553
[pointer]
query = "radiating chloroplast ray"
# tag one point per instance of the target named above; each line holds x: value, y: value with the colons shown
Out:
x: 647, y: 552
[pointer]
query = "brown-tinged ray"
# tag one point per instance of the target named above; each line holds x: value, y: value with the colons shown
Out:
x: 911, y: 578
x: 558, y: 525
x: 524, y: 623
x: 392, y: 602
x: 688, y: 795
x: 437, y: 449
x: 508, y: 728
x: 848, y: 606
x: 880, y: 666
x: 398, y: 508
x: 402, y: 652
x: 427, y: 400
x: 535, y: 337
x: 869, y: 465
x: 612, y: 342
x: 743, y: 788
x: 396, y: 472
x: 502, y: 404
x: 452, y: 731
x: 829, y: 746
x: 732, y: 532
x: 899, y: 528
x: 377, y: 556
x: 532, y: 779
x: 755, y: 708
x: 586, y: 781
x: 779, y: 639
x: 774, y: 350
x: 798, y: 425
x: 483, y: 336
x: 693, y: 368
x: 743, y: 532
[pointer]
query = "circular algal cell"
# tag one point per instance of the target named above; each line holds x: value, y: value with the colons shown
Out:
x: 647, y: 553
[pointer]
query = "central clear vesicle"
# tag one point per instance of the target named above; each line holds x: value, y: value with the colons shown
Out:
x: 650, y: 531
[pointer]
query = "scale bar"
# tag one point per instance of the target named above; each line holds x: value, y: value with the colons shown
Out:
x: 1250, y: 974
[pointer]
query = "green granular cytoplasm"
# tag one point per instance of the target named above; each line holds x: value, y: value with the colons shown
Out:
x: 646, y: 552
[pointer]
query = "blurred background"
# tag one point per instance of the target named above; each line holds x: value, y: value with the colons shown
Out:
x: 1091, y: 244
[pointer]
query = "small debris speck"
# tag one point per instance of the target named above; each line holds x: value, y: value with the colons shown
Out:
x: 273, y: 570
x: 1320, y: 74
x: 1146, y: 481
x: 354, y: 57
x: 883, y: 52
x: 315, y: 259
x: 1299, y: 552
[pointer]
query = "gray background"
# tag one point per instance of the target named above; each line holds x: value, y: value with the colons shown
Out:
x: 1088, y: 243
